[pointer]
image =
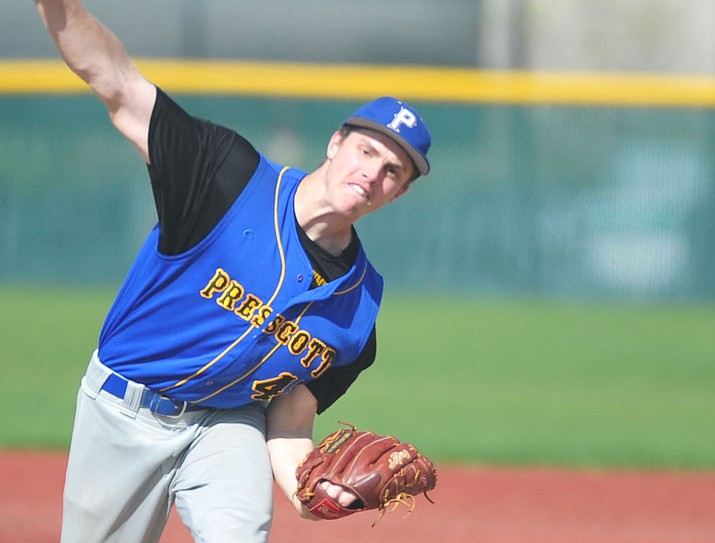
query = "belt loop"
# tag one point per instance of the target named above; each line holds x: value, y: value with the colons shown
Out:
x: 95, y: 377
x: 133, y: 397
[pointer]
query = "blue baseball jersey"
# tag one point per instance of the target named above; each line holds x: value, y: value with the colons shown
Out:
x: 233, y: 319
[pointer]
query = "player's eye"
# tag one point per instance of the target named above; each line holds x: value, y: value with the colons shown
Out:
x: 392, y: 171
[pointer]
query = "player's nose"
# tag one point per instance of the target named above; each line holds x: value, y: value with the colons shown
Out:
x: 371, y: 170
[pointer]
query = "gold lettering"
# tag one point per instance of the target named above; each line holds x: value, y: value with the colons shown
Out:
x: 319, y: 279
x: 262, y: 315
x: 315, y: 347
x: 231, y: 295
x: 328, y: 357
x: 274, y: 325
x: 285, y: 332
x: 218, y: 283
x: 268, y: 388
x: 299, y: 342
x: 249, y: 305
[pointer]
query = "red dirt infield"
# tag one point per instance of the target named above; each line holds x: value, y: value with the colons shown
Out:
x: 473, y: 504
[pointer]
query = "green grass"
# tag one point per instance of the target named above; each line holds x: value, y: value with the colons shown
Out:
x: 507, y: 382
x: 47, y: 336
x: 529, y: 382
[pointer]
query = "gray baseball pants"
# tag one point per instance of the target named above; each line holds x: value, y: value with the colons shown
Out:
x: 127, y: 466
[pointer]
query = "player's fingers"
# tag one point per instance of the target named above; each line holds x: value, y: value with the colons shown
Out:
x: 340, y: 494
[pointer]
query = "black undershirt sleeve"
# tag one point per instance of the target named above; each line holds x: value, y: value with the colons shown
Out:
x: 336, y: 380
x: 330, y: 386
x: 197, y: 170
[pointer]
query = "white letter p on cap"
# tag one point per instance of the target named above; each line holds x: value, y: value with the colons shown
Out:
x: 404, y: 116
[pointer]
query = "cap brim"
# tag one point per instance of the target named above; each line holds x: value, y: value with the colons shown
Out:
x: 420, y: 162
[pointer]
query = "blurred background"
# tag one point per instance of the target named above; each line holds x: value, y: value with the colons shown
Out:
x: 550, y: 282
x: 547, y: 199
x: 675, y: 36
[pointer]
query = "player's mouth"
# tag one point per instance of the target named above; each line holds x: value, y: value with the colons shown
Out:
x: 361, y: 191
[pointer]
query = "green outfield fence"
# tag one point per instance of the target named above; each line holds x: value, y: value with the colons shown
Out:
x: 554, y: 185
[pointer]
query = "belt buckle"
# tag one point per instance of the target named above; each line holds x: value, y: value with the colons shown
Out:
x: 156, y: 399
x: 184, y: 403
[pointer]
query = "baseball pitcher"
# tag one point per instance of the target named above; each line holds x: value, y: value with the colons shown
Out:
x: 249, y: 309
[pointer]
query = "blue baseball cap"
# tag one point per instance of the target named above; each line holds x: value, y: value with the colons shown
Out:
x: 400, y: 122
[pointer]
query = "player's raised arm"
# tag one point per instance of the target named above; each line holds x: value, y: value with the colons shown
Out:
x: 97, y: 56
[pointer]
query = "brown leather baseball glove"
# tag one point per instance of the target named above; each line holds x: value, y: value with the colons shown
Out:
x: 380, y: 470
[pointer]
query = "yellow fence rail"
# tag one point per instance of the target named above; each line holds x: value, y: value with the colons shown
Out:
x: 342, y: 81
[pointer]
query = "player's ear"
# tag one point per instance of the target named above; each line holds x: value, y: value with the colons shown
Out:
x: 334, y: 144
x: 403, y: 189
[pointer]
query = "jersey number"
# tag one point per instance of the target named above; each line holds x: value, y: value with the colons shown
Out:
x: 266, y: 389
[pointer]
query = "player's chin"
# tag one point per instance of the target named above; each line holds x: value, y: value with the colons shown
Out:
x: 353, y: 210
x: 359, y: 207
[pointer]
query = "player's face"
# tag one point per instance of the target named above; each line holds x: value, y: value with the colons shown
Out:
x: 367, y: 170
